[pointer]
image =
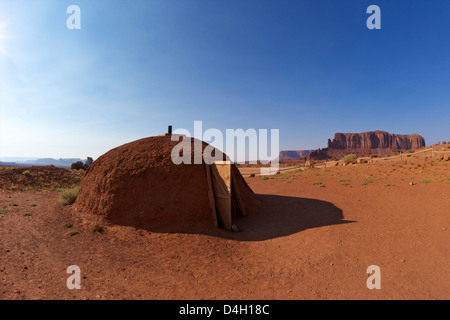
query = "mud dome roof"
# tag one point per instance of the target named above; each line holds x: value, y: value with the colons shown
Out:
x: 138, y: 185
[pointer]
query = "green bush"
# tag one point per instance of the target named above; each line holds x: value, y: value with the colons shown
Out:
x: 88, y: 162
x: 80, y: 165
x: 77, y: 165
x: 350, y: 158
x: 69, y: 196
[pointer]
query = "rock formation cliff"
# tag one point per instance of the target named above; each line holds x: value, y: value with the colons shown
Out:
x: 367, y: 143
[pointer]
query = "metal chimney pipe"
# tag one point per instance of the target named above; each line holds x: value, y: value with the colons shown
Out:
x: 169, y: 130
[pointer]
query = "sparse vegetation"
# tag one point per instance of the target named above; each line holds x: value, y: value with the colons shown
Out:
x: 69, y: 196
x: 14, y: 204
x: 3, y: 211
x: 27, y: 214
x: 73, y: 232
x: 426, y: 181
x: 38, y: 178
x: 68, y: 225
x: 369, y: 180
x: 79, y: 165
x: 26, y: 173
x: 88, y: 163
x: 33, y: 205
x: 350, y: 158
x: 98, y: 228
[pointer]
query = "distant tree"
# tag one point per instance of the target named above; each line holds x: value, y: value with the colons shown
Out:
x: 88, y: 162
x: 77, y: 165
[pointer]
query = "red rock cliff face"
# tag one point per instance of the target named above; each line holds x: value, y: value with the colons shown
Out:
x: 367, y: 143
x: 375, y: 140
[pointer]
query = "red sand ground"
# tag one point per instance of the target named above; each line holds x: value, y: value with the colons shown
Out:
x: 38, y: 178
x: 314, y: 238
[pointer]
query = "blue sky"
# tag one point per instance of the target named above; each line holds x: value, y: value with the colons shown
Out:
x: 309, y: 68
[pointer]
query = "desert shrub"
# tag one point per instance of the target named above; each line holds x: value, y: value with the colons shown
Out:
x: 350, y: 158
x: 374, y: 156
x: 98, y: 228
x: 69, y: 196
x: 26, y: 173
x: 77, y: 165
x: 80, y: 165
x: 88, y: 162
x: 411, y: 151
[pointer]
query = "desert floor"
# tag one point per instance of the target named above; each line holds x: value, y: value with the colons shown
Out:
x: 318, y: 233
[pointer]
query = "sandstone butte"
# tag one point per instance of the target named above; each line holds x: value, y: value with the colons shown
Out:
x: 364, y: 144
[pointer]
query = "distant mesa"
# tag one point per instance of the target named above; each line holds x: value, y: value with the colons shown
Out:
x: 364, y: 144
x: 62, y: 163
x: 293, y: 154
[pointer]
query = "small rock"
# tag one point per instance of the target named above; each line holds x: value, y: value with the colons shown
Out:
x: 234, y: 228
x: 403, y: 260
x: 411, y: 183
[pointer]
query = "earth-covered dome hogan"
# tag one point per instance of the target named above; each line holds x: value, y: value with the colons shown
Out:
x: 137, y: 184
